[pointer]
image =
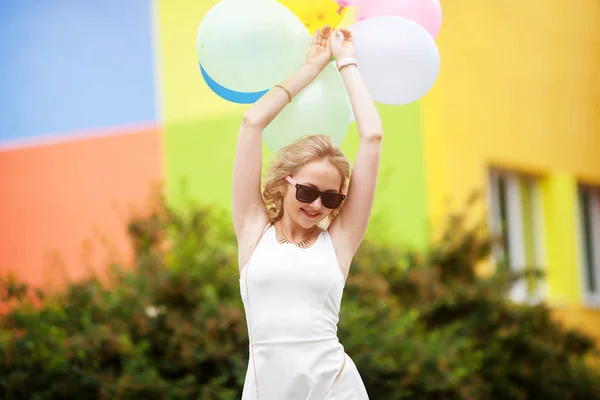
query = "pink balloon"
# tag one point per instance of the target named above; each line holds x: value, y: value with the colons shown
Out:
x: 427, y: 13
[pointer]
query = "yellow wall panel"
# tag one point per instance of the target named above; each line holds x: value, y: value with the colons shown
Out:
x: 185, y: 95
x: 519, y: 88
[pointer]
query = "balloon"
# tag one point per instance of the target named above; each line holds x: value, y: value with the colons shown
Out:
x: 427, y: 13
x: 349, y: 18
x: 249, y: 46
x: 231, y: 95
x: 321, y: 107
x: 316, y: 13
x: 398, y: 59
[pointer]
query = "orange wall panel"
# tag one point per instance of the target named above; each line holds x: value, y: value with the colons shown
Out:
x: 60, y: 201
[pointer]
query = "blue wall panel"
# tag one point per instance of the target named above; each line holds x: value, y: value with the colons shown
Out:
x: 68, y: 66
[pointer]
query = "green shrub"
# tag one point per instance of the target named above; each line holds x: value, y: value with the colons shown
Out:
x: 173, y: 326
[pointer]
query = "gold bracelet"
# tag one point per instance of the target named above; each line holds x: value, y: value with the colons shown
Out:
x: 347, y: 65
x: 286, y: 91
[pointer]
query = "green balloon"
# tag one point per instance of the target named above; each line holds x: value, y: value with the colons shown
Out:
x: 321, y: 108
x: 251, y: 45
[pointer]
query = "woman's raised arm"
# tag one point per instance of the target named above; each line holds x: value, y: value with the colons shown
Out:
x: 349, y: 227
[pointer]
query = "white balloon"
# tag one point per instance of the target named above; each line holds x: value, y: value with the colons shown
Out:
x: 251, y: 45
x: 398, y: 59
x: 320, y: 108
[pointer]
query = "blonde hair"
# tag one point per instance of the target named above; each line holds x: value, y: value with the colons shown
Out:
x: 290, y: 159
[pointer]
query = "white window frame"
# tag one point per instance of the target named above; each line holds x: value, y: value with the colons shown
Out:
x: 590, y: 299
x: 516, y: 231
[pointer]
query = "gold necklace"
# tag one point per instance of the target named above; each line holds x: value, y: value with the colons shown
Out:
x: 303, y: 244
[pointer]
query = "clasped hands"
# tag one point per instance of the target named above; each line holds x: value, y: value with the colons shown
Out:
x: 328, y: 42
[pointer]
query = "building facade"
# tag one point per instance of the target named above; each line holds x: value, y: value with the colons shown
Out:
x: 516, y: 113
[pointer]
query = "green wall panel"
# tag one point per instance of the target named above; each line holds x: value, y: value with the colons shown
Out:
x: 200, y: 154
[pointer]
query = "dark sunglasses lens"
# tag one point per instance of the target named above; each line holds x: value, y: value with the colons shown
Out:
x: 306, y: 194
x: 332, y: 200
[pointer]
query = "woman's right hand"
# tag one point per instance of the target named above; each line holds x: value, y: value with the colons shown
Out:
x: 342, y: 47
x: 320, y: 52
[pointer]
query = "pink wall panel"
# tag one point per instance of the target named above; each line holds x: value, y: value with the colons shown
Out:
x: 63, y: 201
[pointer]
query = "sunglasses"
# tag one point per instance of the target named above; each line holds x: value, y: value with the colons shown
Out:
x: 307, y: 194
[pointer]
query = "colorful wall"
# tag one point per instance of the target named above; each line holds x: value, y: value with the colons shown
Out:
x: 104, y: 100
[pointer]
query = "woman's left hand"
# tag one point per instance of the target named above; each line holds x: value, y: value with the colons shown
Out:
x: 320, y: 53
x: 342, y: 47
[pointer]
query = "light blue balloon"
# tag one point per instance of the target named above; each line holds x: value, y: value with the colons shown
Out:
x: 231, y: 95
x: 250, y: 45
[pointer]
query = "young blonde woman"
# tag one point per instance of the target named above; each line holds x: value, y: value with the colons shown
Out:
x: 292, y: 271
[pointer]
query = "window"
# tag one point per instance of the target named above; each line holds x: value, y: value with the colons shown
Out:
x: 589, y: 222
x: 516, y: 216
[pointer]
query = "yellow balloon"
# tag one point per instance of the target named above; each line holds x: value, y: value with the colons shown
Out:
x: 316, y: 13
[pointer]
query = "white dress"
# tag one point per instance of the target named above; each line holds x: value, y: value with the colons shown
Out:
x: 292, y: 299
